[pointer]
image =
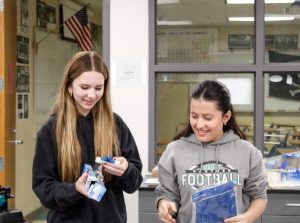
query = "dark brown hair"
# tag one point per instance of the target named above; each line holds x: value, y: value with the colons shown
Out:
x: 214, y: 91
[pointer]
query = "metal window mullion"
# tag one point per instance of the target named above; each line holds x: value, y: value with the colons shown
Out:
x: 259, y: 77
x: 205, y: 68
x: 282, y: 67
x: 106, y: 31
x: 152, y: 92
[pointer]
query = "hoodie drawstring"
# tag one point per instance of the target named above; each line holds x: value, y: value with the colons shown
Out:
x: 203, y: 158
x: 217, y: 151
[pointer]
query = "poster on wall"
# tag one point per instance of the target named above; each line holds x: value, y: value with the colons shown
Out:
x: 239, y: 42
x: 45, y: 16
x: 51, y: 17
x: 22, y: 106
x: 24, y: 16
x: 22, y: 49
x: 41, y: 17
x: 286, y: 42
x: 187, y: 45
x: 22, y: 79
x: 284, y: 84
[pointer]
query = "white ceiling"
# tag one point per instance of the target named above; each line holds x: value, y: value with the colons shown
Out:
x: 216, y: 12
x: 207, y: 12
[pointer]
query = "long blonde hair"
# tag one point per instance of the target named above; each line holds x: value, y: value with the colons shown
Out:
x: 105, y: 133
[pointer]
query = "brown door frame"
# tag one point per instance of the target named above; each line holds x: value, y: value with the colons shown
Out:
x: 8, y: 25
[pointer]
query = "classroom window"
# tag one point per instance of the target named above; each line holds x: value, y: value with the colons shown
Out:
x: 201, y: 31
x: 282, y: 119
x: 282, y: 29
x: 173, y: 92
x: 210, y: 47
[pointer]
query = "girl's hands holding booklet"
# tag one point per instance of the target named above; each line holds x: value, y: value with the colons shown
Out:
x: 80, y: 184
x: 255, y: 210
x: 117, y: 168
x: 242, y: 218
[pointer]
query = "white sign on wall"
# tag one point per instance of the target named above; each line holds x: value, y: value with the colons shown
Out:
x: 128, y: 72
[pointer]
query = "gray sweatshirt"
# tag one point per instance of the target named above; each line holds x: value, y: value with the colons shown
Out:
x: 188, y: 165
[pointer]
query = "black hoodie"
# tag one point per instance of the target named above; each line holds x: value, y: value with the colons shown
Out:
x: 65, y: 204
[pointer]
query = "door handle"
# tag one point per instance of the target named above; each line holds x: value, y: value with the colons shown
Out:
x: 16, y: 142
x: 292, y: 205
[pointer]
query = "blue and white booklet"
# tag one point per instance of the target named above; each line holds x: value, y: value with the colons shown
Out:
x: 215, y: 204
x: 95, y: 187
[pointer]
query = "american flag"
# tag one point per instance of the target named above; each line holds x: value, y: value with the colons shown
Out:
x: 79, y: 26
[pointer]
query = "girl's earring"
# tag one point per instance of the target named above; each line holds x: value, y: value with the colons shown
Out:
x: 71, y: 93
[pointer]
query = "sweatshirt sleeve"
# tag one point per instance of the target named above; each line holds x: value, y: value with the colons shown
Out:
x: 256, y: 184
x: 168, y: 187
x: 132, y: 178
x: 46, y: 182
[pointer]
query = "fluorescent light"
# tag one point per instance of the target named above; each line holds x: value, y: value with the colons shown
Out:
x: 252, y: 1
x: 174, y: 23
x: 279, y: 1
x: 240, y: 19
x: 240, y: 1
x: 267, y: 18
x: 160, y: 2
x: 279, y: 18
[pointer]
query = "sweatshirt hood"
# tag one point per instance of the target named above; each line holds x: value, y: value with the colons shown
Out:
x: 227, y: 137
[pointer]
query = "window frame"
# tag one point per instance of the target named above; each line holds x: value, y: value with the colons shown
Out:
x: 258, y: 68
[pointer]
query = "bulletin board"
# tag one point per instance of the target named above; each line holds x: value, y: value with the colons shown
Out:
x: 187, y: 45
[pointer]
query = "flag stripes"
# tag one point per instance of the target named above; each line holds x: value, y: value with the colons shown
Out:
x: 79, y: 27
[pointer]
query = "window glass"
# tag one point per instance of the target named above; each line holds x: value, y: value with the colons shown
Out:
x: 173, y: 92
x: 202, y: 31
x: 282, y: 29
x: 282, y: 117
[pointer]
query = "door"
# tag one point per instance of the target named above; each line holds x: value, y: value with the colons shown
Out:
x: 7, y: 94
x: 25, y: 199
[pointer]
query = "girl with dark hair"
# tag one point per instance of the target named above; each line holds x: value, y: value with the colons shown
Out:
x: 210, y: 150
x: 81, y: 127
